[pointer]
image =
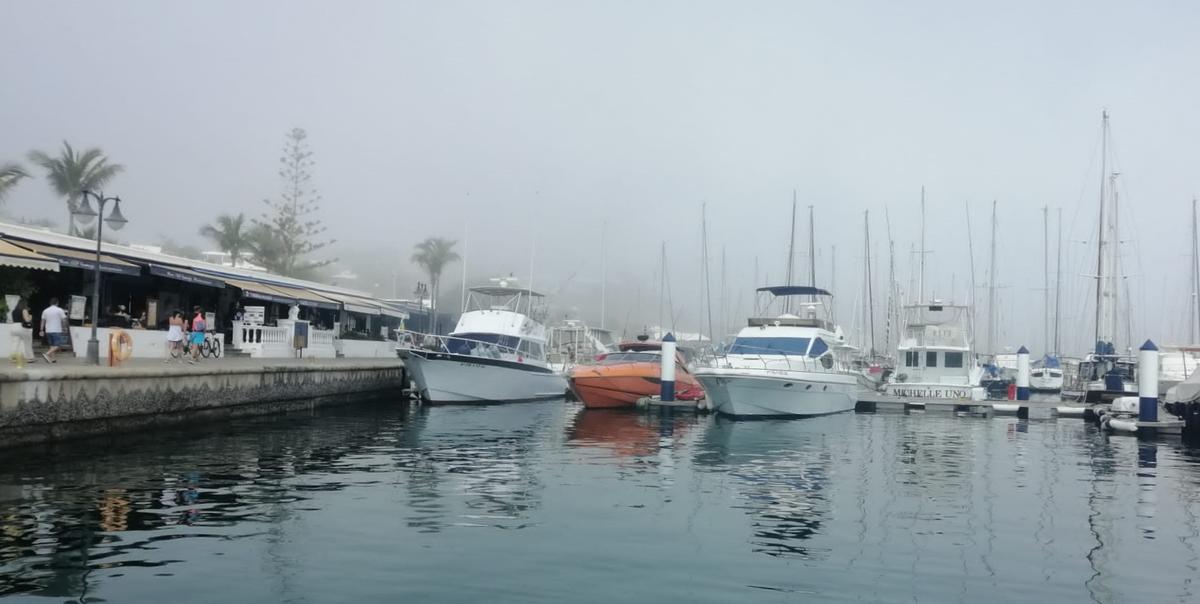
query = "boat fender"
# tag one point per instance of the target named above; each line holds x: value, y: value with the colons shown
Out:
x: 1122, y: 425
x: 827, y: 362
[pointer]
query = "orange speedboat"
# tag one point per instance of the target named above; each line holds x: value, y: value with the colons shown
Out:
x: 619, y: 379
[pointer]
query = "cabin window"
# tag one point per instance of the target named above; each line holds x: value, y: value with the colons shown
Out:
x: 819, y: 347
x: 912, y: 358
x: 931, y: 359
x: 752, y: 346
x: 954, y: 360
x: 479, y: 343
x: 530, y: 349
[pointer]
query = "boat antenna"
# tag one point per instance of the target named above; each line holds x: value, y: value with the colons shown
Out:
x: 466, y: 235
x: 791, y: 259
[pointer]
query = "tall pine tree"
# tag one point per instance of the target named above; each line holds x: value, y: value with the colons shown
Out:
x: 290, y: 221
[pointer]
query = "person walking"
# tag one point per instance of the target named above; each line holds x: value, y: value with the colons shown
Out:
x: 54, y: 320
x: 175, y: 325
x: 196, y: 340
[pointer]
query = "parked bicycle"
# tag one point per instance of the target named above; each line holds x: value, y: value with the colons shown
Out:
x: 211, y: 348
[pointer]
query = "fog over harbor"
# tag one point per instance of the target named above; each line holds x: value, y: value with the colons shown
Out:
x: 525, y: 130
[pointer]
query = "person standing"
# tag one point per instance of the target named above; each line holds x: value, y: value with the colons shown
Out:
x: 21, y: 338
x: 175, y: 327
x: 196, y: 340
x: 54, y: 321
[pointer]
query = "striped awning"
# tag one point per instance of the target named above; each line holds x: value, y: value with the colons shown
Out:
x: 86, y: 260
x: 280, y: 294
x: 19, y: 257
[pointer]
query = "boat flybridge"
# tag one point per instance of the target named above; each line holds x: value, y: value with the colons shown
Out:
x: 788, y: 365
x: 496, y: 353
x: 935, y: 359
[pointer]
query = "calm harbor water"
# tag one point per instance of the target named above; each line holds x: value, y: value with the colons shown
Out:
x: 546, y: 502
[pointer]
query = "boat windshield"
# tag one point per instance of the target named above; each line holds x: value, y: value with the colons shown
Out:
x: 474, y: 343
x: 614, y: 358
x: 796, y: 346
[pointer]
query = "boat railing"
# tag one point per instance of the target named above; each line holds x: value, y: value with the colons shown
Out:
x: 411, y: 340
x: 749, y: 357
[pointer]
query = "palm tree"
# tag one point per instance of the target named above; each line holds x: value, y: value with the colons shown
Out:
x: 71, y: 172
x: 230, y: 234
x: 433, y: 255
x: 10, y: 175
x: 267, y: 248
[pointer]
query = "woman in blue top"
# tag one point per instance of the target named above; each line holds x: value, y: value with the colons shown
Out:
x: 196, y: 339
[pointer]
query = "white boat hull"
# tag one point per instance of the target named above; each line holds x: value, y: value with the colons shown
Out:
x: 1045, y: 384
x: 767, y: 393
x: 448, y: 378
x: 936, y: 391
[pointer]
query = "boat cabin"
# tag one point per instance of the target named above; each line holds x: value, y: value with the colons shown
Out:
x: 935, y: 346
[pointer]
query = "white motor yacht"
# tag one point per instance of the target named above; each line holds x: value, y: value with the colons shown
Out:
x: 934, y: 356
x: 789, y: 365
x: 496, y: 352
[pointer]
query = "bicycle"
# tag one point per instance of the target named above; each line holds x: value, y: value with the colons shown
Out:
x: 211, y: 348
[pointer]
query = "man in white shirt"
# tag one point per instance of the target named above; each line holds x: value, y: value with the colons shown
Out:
x: 54, y: 321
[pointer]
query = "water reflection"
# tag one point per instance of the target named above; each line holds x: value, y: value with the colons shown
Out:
x: 372, y: 502
x: 782, y: 470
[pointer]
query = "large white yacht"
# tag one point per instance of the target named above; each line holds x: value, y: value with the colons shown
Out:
x: 496, y: 352
x: 934, y: 358
x: 789, y: 365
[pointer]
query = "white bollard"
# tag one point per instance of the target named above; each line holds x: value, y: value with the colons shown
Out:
x: 1148, y: 382
x: 668, y: 369
x: 1023, y: 374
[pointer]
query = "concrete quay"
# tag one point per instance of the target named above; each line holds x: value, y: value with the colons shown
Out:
x: 43, y: 402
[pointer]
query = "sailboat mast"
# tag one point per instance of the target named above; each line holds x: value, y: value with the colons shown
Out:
x: 921, y: 280
x: 870, y: 288
x: 1195, y: 297
x: 1100, y: 284
x: 1114, y: 262
x: 1046, y: 278
x: 1058, y: 290
x: 707, y: 279
x: 971, y: 259
x: 603, y: 272
x: 992, y: 288
x: 891, y: 299
x: 813, y: 255
x: 662, y: 280
x: 833, y: 281
x: 787, y: 304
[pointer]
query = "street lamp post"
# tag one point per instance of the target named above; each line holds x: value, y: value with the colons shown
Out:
x: 115, y: 221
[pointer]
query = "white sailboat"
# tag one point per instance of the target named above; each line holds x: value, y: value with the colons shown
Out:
x: 1046, y: 375
x: 1104, y: 374
x: 496, y: 352
x: 789, y: 365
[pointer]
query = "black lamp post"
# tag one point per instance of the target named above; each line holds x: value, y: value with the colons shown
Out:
x: 116, y: 221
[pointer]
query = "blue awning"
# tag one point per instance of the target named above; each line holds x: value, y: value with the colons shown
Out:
x: 185, y: 275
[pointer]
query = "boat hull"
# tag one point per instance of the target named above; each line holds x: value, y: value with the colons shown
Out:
x: 936, y: 391
x: 622, y: 385
x: 451, y: 378
x: 748, y: 393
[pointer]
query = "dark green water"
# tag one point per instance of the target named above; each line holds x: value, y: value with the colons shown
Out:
x: 547, y: 503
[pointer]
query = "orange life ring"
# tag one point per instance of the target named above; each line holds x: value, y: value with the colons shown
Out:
x: 120, y: 346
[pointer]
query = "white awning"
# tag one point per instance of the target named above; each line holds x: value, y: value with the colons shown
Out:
x: 19, y: 257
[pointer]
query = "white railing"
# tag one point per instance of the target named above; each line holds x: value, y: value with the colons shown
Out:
x: 775, y: 360
x: 275, y: 341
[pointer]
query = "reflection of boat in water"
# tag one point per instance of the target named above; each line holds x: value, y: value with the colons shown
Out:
x: 782, y: 470
x: 619, y: 379
x: 626, y: 433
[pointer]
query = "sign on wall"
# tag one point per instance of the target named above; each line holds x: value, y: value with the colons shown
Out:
x: 78, y: 308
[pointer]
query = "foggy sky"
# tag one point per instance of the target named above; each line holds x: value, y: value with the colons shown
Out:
x: 530, y: 124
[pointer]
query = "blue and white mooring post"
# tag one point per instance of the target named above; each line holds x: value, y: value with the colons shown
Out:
x: 668, y: 369
x: 1147, y: 375
x: 1023, y: 374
